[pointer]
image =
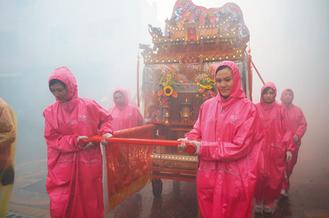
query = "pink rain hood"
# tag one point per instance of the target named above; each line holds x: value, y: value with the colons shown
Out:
x: 230, y: 144
x: 125, y: 116
x: 64, y: 74
x: 72, y: 171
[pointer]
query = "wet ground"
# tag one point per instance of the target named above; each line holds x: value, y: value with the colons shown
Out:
x: 308, y: 197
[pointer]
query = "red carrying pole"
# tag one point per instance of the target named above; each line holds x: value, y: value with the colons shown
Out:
x: 190, y: 148
x: 167, y: 143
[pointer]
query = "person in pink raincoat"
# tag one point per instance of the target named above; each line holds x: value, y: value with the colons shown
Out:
x: 296, y: 123
x: 228, y: 141
x: 74, y: 180
x: 124, y: 115
x: 275, y: 152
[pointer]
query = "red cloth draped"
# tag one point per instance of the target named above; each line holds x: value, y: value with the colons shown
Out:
x: 128, y: 166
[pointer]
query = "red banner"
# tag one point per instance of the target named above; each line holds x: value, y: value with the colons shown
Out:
x: 128, y: 165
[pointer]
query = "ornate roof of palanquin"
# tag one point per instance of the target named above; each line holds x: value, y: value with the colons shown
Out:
x: 197, y: 34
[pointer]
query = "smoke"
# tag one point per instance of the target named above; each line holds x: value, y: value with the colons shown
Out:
x: 98, y: 41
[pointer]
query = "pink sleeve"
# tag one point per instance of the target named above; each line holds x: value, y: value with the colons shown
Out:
x: 58, y: 141
x: 105, y: 119
x: 240, y: 147
x: 195, y: 133
x: 287, y: 138
x: 288, y: 141
x: 302, y: 125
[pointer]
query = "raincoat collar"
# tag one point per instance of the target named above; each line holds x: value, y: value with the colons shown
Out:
x: 65, y: 75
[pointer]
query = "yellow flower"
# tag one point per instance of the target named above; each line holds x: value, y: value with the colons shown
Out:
x: 208, y: 87
x: 168, y: 90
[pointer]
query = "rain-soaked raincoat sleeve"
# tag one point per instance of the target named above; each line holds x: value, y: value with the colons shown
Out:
x: 302, y: 124
x: 240, y: 146
x: 287, y: 138
x: 58, y: 141
x: 68, y: 142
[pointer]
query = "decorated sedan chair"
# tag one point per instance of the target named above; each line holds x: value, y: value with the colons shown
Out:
x: 177, y: 78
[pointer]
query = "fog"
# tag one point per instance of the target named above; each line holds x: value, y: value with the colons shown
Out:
x: 98, y: 41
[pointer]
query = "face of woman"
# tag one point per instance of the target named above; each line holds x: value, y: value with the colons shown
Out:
x: 268, y: 96
x: 119, y: 99
x: 224, y: 82
x: 59, y: 91
x: 287, y: 97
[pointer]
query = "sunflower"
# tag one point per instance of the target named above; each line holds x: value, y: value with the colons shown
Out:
x: 168, y: 90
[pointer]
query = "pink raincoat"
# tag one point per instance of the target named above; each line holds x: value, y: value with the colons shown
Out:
x: 74, y: 180
x: 296, y: 123
x: 125, y: 116
x: 278, y: 141
x: 230, y: 144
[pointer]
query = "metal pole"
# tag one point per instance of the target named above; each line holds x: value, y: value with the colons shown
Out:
x: 138, y: 78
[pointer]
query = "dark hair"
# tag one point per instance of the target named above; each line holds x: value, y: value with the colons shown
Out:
x: 56, y: 81
x: 118, y: 91
x: 222, y: 68
x: 290, y: 90
x: 266, y: 90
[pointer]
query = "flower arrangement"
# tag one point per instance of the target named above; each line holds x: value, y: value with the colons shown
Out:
x: 206, y: 85
x: 167, y: 88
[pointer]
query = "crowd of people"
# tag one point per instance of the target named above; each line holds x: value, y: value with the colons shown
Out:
x: 246, y: 151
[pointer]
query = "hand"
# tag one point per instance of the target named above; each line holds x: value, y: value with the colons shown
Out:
x: 182, y: 146
x: 81, y: 140
x: 288, y: 156
x: 104, y: 137
x: 81, y: 137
